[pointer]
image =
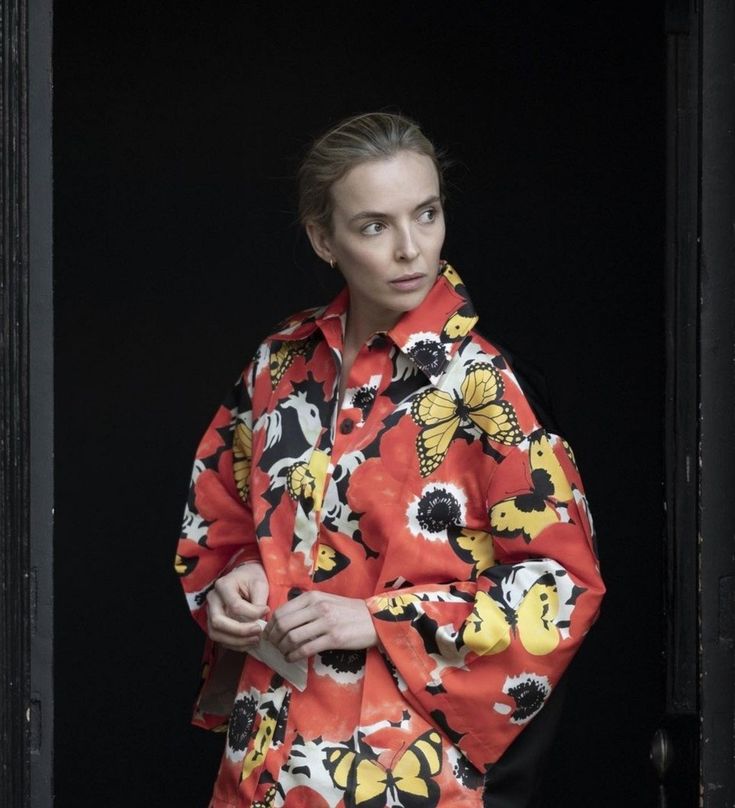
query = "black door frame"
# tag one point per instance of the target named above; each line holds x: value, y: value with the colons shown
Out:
x: 700, y: 398
x: 716, y: 534
x: 26, y: 405
x: 699, y: 727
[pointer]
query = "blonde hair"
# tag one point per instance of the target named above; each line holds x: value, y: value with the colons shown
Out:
x: 355, y: 140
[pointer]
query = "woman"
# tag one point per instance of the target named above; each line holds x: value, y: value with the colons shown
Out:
x: 379, y: 502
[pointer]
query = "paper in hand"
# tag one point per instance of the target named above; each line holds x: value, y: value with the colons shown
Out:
x: 268, y: 654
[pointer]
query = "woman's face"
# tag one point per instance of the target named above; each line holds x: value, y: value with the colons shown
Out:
x: 386, y: 238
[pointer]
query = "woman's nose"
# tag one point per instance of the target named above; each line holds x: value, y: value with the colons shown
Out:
x: 406, y: 248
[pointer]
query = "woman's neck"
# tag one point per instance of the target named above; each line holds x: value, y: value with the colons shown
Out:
x: 361, y: 325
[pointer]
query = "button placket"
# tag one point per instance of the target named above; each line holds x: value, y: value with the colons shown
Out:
x: 368, y: 368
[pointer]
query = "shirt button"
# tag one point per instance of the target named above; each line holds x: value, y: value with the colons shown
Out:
x: 347, y: 426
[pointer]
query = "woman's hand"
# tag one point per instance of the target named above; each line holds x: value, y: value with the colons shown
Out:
x: 237, y: 600
x: 317, y: 621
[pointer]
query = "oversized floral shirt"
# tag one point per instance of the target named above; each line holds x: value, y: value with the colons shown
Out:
x: 434, y: 494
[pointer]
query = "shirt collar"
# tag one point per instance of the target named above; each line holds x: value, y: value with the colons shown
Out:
x: 429, y: 334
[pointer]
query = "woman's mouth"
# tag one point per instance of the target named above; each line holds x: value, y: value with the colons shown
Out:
x: 408, y: 283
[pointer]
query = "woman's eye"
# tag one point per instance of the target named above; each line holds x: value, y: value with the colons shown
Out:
x: 428, y: 215
x: 373, y: 228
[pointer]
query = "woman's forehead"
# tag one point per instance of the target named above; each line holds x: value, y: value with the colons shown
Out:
x: 404, y: 180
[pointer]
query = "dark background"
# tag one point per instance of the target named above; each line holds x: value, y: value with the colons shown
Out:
x: 178, y: 128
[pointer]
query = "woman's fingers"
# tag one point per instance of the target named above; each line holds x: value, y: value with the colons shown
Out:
x: 287, y: 623
x: 250, y: 582
x: 244, y: 592
x: 310, y: 647
x: 319, y: 621
x: 259, y: 591
x: 228, y: 631
x: 245, y: 612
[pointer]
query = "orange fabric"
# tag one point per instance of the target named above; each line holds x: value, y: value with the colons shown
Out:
x: 435, y: 495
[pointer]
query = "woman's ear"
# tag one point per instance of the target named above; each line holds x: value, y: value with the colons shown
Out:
x: 320, y: 241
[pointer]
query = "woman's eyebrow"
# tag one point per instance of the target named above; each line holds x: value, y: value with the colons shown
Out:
x: 432, y: 200
x: 376, y: 214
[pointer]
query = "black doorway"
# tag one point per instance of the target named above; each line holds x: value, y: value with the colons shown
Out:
x: 177, y: 132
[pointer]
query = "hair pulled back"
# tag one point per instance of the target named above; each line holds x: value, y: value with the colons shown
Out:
x: 355, y: 140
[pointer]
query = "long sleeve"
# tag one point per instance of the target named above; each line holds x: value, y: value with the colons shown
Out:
x: 218, y: 530
x: 478, y: 658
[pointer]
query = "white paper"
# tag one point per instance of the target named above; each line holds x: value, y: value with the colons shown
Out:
x: 268, y: 654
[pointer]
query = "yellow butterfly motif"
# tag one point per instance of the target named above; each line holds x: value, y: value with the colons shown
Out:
x: 329, y: 562
x: 486, y: 631
x: 489, y: 627
x: 305, y: 481
x: 479, y: 404
x: 260, y: 746
x: 408, y: 783
x: 282, y: 357
x: 396, y: 607
x: 185, y: 564
x: 460, y: 323
x: 242, y: 453
x: 268, y: 799
x: 529, y: 513
x: 473, y: 546
x: 451, y: 274
x: 535, y: 618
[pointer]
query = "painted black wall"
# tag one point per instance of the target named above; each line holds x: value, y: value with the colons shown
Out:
x: 178, y: 128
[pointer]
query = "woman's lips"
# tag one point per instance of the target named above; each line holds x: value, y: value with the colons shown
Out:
x: 408, y: 283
